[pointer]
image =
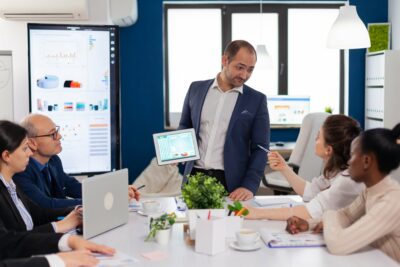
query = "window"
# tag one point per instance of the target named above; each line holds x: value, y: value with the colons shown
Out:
x: 294, y: 34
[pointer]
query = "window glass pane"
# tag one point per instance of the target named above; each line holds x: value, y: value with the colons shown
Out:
x: 260, y: 29
x: 314, y: 70
x: 194, y: 52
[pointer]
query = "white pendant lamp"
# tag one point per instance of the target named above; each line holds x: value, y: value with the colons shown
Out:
x: 264, y: 60
x: 348, y: 31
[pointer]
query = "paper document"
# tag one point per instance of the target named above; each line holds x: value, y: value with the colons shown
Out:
x: 282, y: 201
x: 283, y: 239
x: 118, y: 260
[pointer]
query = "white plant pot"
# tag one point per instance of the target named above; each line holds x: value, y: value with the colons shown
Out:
x: 162, y: 236
x: 201, y: 214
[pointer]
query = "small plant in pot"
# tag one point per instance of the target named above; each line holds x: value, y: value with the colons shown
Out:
x: 203, y: 194
x: 160, y: 227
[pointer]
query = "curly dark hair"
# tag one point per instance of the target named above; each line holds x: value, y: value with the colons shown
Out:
x: 385, y: 144
x: 339, y: 131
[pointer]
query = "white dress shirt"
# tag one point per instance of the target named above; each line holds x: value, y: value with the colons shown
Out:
x: 330, y: 194
x: 215, y: 117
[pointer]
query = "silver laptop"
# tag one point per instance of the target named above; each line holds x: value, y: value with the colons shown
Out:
x: 105, y: 202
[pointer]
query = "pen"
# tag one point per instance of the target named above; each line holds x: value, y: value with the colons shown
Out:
x: 263, y: 148
x: 209, y: 215
x: 140, y: 187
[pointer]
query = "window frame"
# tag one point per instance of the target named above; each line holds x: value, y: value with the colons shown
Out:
x: 226, y: 13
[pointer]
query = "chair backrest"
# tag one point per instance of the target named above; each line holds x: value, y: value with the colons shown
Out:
x: 303, y: 155
x: 160, y: 181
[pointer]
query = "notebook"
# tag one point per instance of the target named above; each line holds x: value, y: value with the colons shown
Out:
x: 105, y: 202
x: 282, y: 239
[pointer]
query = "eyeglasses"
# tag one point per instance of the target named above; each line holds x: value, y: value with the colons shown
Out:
x: 54, y: 134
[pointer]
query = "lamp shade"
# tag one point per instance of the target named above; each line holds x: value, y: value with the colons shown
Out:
x: 348, y: 31
x: 263, y: 58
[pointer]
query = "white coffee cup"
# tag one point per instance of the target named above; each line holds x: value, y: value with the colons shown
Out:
x: 247, y: 237
x: 151, y: 206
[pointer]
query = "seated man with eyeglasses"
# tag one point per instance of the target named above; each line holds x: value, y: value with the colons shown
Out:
x: 44, y: 179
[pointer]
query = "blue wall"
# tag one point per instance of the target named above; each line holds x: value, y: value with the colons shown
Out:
x: 142, y: 81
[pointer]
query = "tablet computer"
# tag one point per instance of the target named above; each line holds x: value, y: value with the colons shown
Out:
x: 176, y: 146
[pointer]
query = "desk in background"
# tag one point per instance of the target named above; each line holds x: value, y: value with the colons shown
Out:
x: 130, y: 240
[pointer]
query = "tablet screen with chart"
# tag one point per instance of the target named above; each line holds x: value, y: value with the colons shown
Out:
x: 176, y: 146
x: 74, y: 80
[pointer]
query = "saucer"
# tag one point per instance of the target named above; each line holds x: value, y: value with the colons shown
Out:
x: 257, y: 245
x: 141, y: 212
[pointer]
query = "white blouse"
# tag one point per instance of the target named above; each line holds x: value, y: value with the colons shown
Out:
x: 330, y: 194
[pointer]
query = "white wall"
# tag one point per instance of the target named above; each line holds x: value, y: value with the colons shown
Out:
x: 394, y: 18
x: 14, y: 37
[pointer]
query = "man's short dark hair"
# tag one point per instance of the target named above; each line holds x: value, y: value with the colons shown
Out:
x: 233, y: 48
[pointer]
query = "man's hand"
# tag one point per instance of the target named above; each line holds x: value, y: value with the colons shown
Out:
x: 296, y: 225
x: 70, y: 222
x: 78, y: 243
x: 78, y: 258
x: 133, y: 193
x: 241, y: 193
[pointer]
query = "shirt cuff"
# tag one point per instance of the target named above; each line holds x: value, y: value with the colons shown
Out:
x: 63, y: 243
x: 313, y: 222
x: 54, y: 226
x: 55, y: 260
x: 307, y: 194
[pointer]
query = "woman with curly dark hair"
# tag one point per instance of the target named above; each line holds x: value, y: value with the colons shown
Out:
x: 372, y: 219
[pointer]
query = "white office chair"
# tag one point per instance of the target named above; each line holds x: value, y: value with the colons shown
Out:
x: 303, y: 159
x: 160, y: 181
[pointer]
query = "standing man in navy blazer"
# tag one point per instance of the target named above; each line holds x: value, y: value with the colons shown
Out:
x: 230, y: 120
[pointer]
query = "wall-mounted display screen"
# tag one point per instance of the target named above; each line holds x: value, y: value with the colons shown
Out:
x: 74, y: 79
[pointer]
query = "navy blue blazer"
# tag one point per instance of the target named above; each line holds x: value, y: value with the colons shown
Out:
x: 244, y: 162
x: 31, y: 182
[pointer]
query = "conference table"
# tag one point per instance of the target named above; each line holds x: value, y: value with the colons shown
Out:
x: 129, y: 239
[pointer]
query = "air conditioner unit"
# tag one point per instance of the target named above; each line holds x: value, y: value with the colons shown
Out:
x: 44, y: 9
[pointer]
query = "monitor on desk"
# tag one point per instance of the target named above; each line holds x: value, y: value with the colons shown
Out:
x: 287, y: 111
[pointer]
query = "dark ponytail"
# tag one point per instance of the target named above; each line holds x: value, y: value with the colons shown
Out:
x: 339, y: 131
x: 11, y: 136
x: 385, y: 145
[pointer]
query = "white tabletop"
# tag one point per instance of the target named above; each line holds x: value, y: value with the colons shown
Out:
x: 129, y: 239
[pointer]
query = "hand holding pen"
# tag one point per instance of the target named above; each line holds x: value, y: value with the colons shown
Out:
x: 134, y: 192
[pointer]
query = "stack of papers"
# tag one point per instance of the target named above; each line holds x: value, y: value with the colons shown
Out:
x: 283, y: 239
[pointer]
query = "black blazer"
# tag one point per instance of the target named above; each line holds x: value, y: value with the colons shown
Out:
x: 15, y: 244
x: 28, y: 262
x: 41, y: 217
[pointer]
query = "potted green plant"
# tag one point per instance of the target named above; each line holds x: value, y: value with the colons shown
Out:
x: 204, y: 196
x: 160, y: 227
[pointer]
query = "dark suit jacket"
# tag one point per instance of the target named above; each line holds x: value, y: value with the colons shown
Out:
x: 28, y: 262
x: 244, y: 162
x: 31, y: 182
x: 25, y: 244
x: 42, y: 218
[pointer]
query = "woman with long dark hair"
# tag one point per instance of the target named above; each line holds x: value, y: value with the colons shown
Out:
x: 18, y: 212
x: 331, y: 190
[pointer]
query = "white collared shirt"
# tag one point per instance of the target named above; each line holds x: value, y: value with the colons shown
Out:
x: 215, y: 117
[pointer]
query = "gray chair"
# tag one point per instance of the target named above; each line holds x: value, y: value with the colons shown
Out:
x: 303, y: 159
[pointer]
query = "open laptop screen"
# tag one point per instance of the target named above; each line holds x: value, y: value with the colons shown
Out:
x: 287, y: 111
